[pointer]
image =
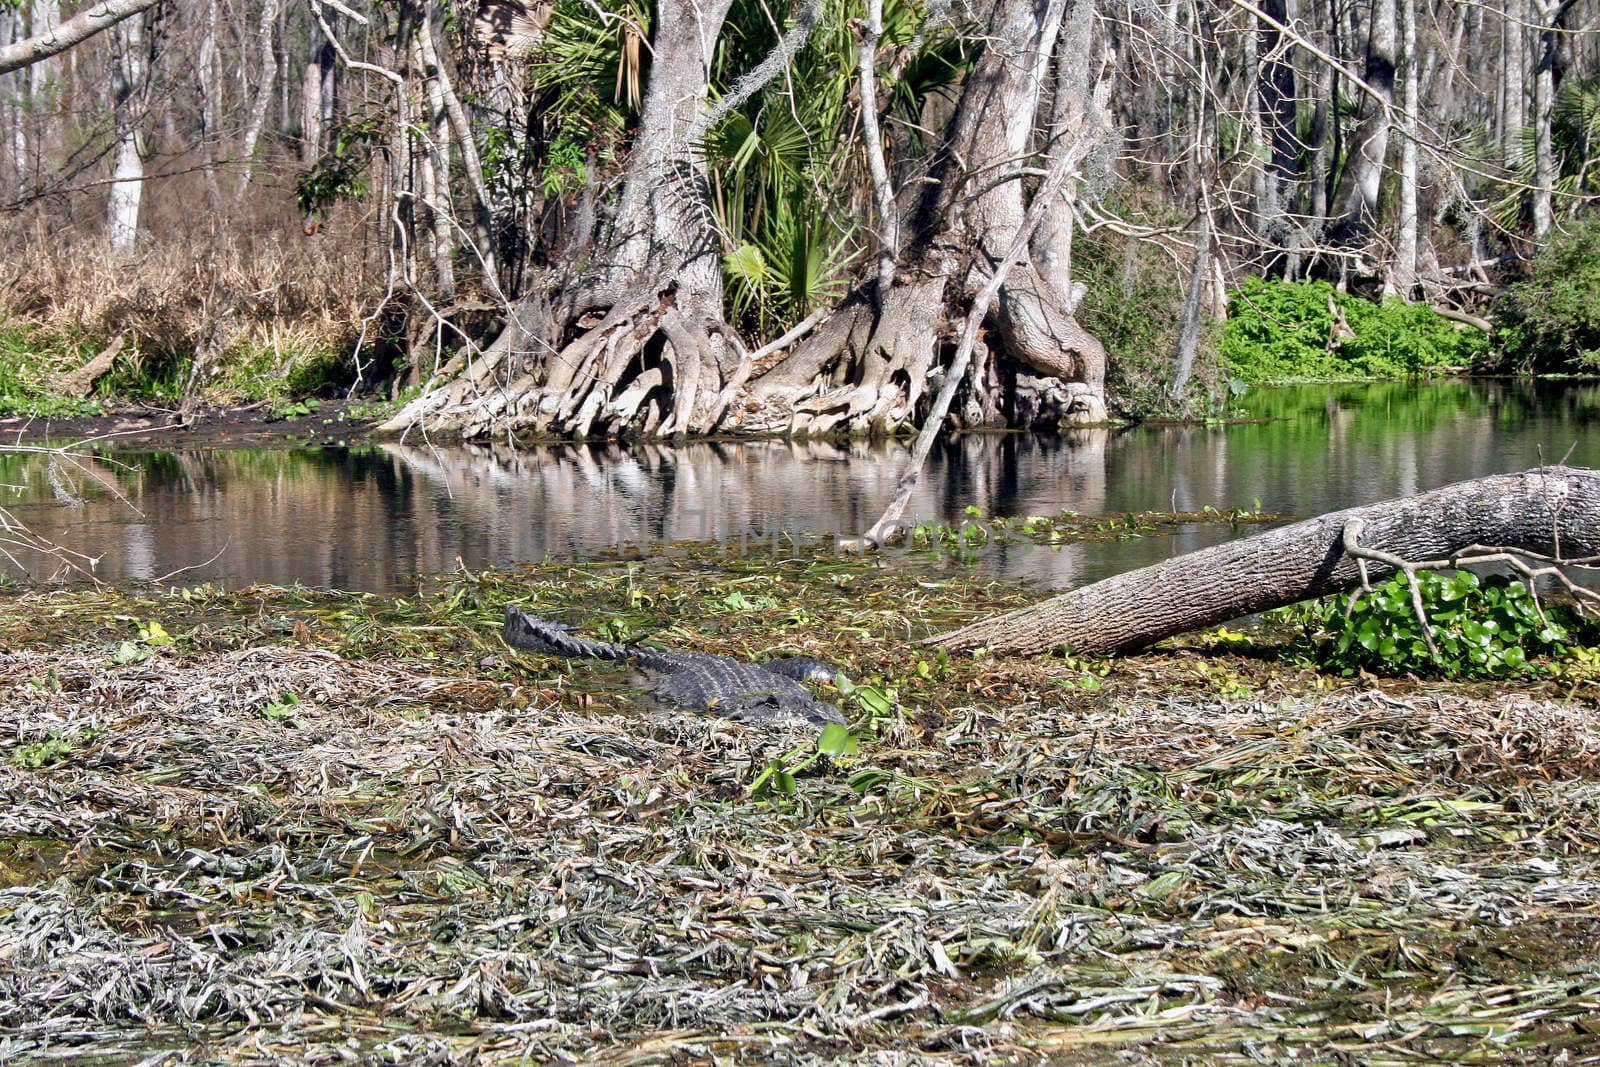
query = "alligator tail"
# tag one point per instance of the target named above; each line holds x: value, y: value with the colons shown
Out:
x: 553, y: 638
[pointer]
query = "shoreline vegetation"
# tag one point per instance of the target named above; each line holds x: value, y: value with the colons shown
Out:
x: 310, y: 355
x: 287, y: 825
x: 318, y: 422
x: 307, y: 824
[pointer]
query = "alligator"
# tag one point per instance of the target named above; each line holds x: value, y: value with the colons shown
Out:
x: 748, y: 692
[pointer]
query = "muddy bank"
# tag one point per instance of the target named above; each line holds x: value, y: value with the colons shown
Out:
x: 253, y: 426
x: 286, y: 826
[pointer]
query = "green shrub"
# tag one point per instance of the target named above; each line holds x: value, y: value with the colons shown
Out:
x: 1134, y: 294
x: 1279, y: 331
x: 1483, y: 627
x: 1551, y: 323
x: 29, y: 357
x: 251, y: 373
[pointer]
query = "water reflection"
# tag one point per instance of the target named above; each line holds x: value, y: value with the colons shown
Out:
x: 368, y: 518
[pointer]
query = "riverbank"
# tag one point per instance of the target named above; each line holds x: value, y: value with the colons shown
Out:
x: 297, y: 424
x: 301, y: 826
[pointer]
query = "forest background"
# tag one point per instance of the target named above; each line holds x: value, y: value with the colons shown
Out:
x: 596, y: 218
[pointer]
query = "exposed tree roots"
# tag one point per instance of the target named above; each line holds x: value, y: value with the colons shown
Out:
x: 661, y: 365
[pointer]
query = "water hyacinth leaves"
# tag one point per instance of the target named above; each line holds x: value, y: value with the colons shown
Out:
x: 1483, y: 627
x: 779, y: 777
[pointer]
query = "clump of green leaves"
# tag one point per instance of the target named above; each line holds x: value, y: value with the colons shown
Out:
x: 29, y: 357
x: 1482, y: 627
x: 297, y: 409
x: 340, y: 173
x: 780, y: 777
x: 284, y: 707
x: 152, y: 635
x: 876, y: 706
x: 52, y: 750
x: 1281, y: 331
x: 1551, y: 322
x: 42, y: 754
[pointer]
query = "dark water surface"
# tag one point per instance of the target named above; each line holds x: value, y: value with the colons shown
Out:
x: 370, y: 518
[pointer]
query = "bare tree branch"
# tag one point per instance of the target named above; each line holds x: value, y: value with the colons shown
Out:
x: 79, y: 28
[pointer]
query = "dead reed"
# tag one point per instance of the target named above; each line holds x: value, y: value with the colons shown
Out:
x: 295, y: 827
x: 230, y: 296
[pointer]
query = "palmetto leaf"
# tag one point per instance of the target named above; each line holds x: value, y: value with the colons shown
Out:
x: 783, y: 167
x: 1575, y: 144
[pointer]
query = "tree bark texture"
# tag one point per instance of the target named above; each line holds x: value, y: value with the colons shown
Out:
x: 57, y: 39
x: 1554, y: 511
x: 992, y: 131
x: 1514, y: 93
x: 1552, y: 25
x: 1369, y: 144
x: 127, y: 92
x: 1275, y: 108
x: 266, y: 42
x: 652, y: 351
x: 876, y: 363
x: 1402, y: 278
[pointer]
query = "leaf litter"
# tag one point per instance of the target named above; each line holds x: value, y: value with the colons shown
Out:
x: 289, y: 826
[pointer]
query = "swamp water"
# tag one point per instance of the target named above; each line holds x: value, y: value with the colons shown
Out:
x: 370, y: 517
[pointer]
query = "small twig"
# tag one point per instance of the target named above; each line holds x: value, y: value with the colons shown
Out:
x: 1353, y: 546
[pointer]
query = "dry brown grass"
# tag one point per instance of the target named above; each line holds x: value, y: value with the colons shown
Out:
x: 444, y: 851
x: 273, y: 290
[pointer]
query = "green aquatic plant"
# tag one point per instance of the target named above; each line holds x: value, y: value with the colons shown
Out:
x: 1551, y: 322
x: 1284, y: 331
x: 298, y: 409
x: 282, y: 708
x: 42, y: 754
x: 1480, y: 628
x: 780, y: 776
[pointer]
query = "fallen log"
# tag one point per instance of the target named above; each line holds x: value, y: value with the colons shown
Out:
x: 1542, y: 516
x: 79, y: 382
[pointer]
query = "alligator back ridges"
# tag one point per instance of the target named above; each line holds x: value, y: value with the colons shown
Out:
x: 725, y: 686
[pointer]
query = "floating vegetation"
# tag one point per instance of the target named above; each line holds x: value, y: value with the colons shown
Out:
x: 310, y: 827
x: 1071, y: 527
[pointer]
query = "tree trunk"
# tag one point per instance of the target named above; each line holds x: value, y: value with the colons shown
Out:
x: 127, y: 91
x: 868, y: 35
x: 654, y: 352
x: 433, y: 160
x: 1554, y: 511
x: 268, y: 58
x: 1276, y: 102
x: 1188, y: 343
x: 1402, y: 276
x: 13, y: 89
x: 461, y: 135
x: 315, y: 98
x: 1073, y: 118
x: 1514, y: 52
x: 1552, y: 19
x: 992, y: 134
x: 1321, y: 82
x: 1369, y: 145
x: 872, y: 365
